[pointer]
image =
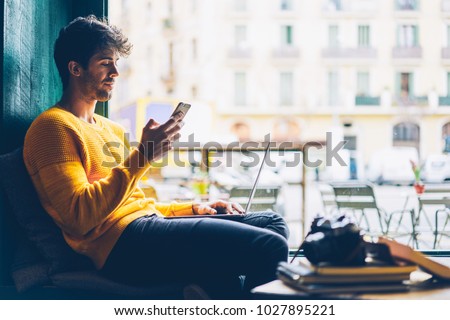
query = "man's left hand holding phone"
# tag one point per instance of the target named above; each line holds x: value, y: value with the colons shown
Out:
x: 157, y: 139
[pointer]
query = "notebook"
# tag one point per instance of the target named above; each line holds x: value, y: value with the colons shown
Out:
x: 235, y: 216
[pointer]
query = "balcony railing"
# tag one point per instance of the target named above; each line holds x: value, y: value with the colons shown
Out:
x: 445, y: 53
x: 411, y: 101
x: 367, y: 101
x: 354, y: 53
x: 407, y: 52
x: 239, y: 53
x: 286, y: 52
x: 444, y: 101
x: 445, y: 5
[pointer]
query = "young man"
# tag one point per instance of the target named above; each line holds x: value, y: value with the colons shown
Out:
x: 99, y: 207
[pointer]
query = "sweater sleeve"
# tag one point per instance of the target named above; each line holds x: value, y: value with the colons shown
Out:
x: 54, y: 163
x: 175, y: 208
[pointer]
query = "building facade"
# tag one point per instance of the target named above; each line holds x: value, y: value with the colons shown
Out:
x: 375, y: 72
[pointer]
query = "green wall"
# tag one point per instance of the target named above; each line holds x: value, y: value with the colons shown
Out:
x: 28, y: 77
x: 30, y: 81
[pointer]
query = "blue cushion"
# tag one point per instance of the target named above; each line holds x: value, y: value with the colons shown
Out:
x: 31, y: 216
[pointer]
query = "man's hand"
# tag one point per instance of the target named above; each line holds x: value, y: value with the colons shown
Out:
x: 217, y: 206
x: 157, y: 138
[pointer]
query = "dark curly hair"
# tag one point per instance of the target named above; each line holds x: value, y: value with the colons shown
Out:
x: 84, y: 37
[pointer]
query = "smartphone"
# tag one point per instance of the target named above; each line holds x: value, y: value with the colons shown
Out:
x: 181, y: 107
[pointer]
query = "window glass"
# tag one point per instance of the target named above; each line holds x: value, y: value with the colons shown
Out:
x: 333, y: 36
x: 363, y: 86
x: 286, y: 88
x: 407, y: 4
x: 408, y: 36
x: 240, y: 88
x: 240, y: 36
x: 363, y: 36
x: 250, y: 74
x: 286, y: 5
x: 286, y: 35
x: 333, y: 88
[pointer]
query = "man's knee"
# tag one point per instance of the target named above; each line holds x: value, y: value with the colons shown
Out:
x: 278, y: 225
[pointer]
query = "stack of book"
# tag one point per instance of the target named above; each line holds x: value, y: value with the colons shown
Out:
x: 335, y: 279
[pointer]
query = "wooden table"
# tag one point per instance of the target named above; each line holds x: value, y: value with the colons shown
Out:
x: 278, y: 290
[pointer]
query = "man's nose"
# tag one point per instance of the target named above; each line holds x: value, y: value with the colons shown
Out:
x: 114, y: 73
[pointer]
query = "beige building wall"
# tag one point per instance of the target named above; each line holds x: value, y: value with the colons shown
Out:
x: 187, y: 50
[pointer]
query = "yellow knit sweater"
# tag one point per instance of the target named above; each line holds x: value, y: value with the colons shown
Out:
x: 87, y: 179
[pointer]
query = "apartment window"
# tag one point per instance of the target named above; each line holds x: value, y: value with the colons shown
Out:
x: 362, y: 84
x: 363, y: 36
x: 240, y: 5
x: 240, y: 88
x: 286, y: 88
x: 286, y: 5
x: 404, y: 84
x: 351, y: 143
x: 334, y: 5
x: 333, y: 88
x: 407, y: 4
x: 448, y: 84
x: 408, y: 36
x: 446, y: 137
x: 240, y: 36
x: 333, y: 36
x: 448, y: 36
x: 406, y: 134
x: 287, y: 35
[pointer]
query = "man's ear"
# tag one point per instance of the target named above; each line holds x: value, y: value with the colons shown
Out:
x: 74, y: 68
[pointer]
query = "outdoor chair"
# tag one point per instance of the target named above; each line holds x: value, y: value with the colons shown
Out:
x: 328, y: 198
x: 437, y: 199
x: 265, y: 197
x: 359, y: 199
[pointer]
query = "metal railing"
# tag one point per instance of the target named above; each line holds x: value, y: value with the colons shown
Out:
x: 444, y: 101
x: 367, y: 101
x: 239, y: 53
x: 345, y: 53
x: 286, y: 52
x: 407, y: 52
x: 209, y: 155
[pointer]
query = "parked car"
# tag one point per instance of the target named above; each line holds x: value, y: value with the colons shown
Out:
x: 436, y: 168
x: 393, y: 166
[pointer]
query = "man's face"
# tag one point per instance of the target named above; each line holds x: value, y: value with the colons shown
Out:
x: 98, y: 79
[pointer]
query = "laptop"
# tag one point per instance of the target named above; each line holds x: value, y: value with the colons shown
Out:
x: 236, y: 216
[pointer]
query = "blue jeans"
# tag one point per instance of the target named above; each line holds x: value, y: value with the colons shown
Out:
x: 213, y: 253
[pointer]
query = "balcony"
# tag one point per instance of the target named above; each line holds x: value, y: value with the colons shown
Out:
x: 445, y: 53
x: 367, y: 101
x: 349, y: 53
x: 411, y: 101
x: 238, y: 53
x: 286, y: 52
x: 407, y: 52
x: 444, y: 101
